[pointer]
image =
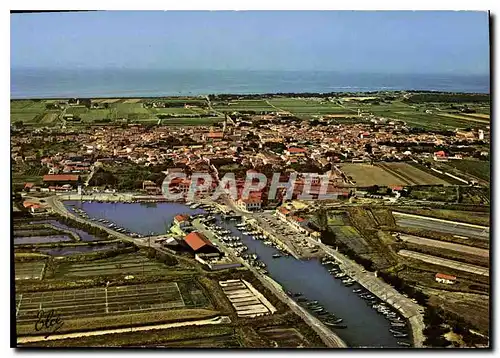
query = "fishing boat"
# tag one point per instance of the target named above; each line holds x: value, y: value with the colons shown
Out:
x: 400, y: 335
x: 357, y: 290
x: 334, y: 325
x: 394, y: 324
x: 310, y: 303
x: 395, y: 331
x: 335, y: 320
x: 275, y: 256
x: 317, y: 309
x: 404, y: 344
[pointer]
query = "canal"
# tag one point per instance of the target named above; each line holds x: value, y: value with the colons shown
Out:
x: 366, y: 327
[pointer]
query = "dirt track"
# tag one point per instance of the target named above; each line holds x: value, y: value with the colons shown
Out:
x: 445, y: 245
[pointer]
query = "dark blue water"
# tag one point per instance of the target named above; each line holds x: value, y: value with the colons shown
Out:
x: 54, y: 83
x: 140, y: 218
x: 365, y: 326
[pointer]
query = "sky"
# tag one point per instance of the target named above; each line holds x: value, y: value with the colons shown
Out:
x: 347, y: 41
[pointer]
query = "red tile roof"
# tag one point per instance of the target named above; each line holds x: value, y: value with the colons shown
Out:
x: 284, y: 211
x: 28, y: 204
x: 60, y: 177
x: 296, y: 150
x: 181, y: 218
x: 197, y: 240
x: 215, y: 135
x: 446, y: 277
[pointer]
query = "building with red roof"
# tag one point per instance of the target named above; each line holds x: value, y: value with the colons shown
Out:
x: 181, y: 220
x: 295, y: 151
x: 253, y: 202
x: 60, y: 179
x: 214, y: 135
x: 443, y: 278
x: 198, y: 243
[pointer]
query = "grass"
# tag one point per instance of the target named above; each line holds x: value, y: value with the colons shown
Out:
x: 96, y: 114
x: 477, y: 168
x: 34, y: 112
x: 366, y: 175
x: 131, y: 110
x: 27, y: 111
x: 77, y: 110
x: 411, y: 174
x: 177, y: 111
x: 308, y: 106
x: 174, y: 337
x: 245, y: 105
x: 130, y: 319
x: 335, y: 220
x: 454, y: 215
x: 132, y: 264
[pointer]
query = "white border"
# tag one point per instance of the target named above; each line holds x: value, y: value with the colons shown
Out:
x: 188, y: 5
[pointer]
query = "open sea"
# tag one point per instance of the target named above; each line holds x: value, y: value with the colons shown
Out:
x: 55, y: 83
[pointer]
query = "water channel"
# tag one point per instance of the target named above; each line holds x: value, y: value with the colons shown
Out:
x: 366, y: 327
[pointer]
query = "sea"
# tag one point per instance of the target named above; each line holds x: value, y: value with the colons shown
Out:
x: 66, y: 83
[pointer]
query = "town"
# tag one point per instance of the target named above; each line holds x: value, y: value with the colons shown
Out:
x: 403, y: 236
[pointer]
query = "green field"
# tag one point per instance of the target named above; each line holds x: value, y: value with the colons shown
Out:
x: 27, y: 111
x: 442, y: 116
x: 301, y: 107
x: 477, y: 168
x: 130, y: 264
x: 245, y: 105
x: 179, y: 111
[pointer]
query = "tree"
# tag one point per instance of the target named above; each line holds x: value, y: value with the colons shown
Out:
x: 322, y: 218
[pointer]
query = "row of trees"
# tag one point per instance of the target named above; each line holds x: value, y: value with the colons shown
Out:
x: 448, y: 98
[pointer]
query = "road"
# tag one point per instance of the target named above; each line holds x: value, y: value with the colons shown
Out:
x: 440, y: 225
x: 328, y: 337
x: 445, y: 245
x: 435, y: 260
x: 53, y: 337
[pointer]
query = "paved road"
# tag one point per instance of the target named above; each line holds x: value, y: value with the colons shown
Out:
x: 328, y: 337
x: 440, y: 225
x: 457, y: 265
x: 445, y: 245
x: 216, y: 320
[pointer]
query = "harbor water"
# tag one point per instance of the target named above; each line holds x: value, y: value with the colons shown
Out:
x: 365, y: 326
